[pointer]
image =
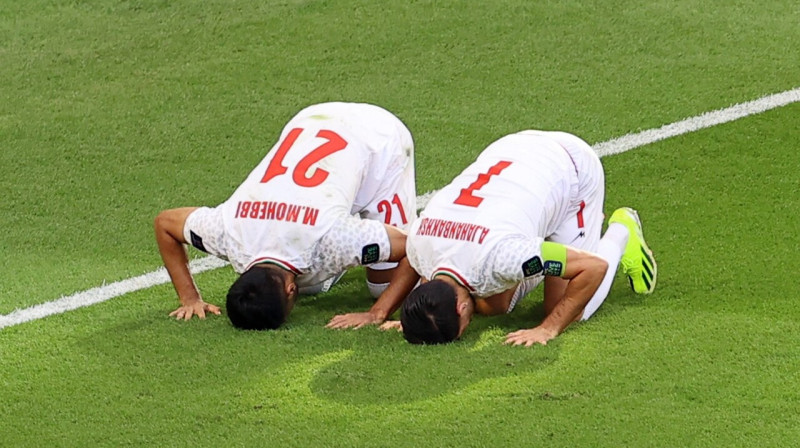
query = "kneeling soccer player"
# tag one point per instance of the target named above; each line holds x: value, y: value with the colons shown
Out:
x: 337, y: 190
x: 528, y: 209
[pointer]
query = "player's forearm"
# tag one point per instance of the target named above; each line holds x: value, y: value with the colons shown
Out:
x: 397, y: 242
x: 401, y: 284
x: 176, y: 261
x: 177, y: 265
x: 583, y: 273
x: 577, y: 294
x: 566, y: 312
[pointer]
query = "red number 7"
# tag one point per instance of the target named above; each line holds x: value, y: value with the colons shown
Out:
x: 276, y: 168
x: 467, y: 197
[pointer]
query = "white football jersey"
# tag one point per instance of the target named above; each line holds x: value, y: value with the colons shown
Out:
x: 486, y: 228
x: 302, y: 206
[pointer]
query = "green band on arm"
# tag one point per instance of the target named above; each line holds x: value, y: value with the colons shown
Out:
x: 554, y: 257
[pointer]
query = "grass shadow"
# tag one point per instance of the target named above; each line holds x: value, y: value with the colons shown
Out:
x: 384, y: 368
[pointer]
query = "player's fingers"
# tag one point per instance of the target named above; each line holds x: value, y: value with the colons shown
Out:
x: 353, y: 321
x: 334, y: 322
x: 201, y: 313
x: 213, y: 309
x: 391, y: 324
x: 511, y: 337
x: 517, y: 340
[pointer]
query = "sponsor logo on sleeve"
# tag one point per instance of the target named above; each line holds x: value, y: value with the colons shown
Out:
x: 197, y: 242
x: 371, y: 253
x: 553, y: 268
x: 532, y: 266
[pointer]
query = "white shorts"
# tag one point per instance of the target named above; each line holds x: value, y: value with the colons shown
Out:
x: 584, y: 224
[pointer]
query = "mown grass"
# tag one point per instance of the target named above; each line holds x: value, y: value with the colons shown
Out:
x: 113, y: 110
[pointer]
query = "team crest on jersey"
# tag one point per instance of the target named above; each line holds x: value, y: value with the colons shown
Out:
x: 197, y: 242
x: 371, y: 253
x: 553, y: 268
x: 532, y: 266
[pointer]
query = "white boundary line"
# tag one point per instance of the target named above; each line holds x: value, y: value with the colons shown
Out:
x: 610, y: 147
x: 706, y: 120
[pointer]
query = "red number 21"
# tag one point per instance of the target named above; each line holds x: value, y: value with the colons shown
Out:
x: 385, y: 207
x: 276, y: 168
x: 467, y: 197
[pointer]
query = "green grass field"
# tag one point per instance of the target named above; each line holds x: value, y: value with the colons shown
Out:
x: 111, y: 111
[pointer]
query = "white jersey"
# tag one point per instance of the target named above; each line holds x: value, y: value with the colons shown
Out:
x: 302, y: 206
x: 486, y: 228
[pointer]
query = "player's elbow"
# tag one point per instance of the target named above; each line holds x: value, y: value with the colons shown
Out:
x: 170, y: 223
x: 594, y: 269
x: 161, y: 222
x: 166, y: 223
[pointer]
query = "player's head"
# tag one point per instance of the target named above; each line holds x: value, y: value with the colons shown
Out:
x: 261, y: 298
x: 435, y: 314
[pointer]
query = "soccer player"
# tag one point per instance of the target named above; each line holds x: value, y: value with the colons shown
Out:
x: 530, y: 208
x: 337, y: 190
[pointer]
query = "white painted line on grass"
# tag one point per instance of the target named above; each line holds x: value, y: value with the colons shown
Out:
x: 706, y: 120
x: 615, y: 146
x: 103, y: 293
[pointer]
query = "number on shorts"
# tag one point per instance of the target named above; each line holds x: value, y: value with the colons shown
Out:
x: 385, y: 207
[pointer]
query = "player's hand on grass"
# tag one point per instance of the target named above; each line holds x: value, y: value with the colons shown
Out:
x: 354, y: 320
x: 198, y: 308
x: 391, y: 325
x: 530, y: 336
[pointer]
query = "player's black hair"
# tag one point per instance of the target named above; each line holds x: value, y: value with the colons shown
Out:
x: 257, y: 300
x: 429, y: 314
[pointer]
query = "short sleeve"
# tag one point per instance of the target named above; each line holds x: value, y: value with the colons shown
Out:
x: 513, y: 260
x: 353, y: 241
x: 205, y: 231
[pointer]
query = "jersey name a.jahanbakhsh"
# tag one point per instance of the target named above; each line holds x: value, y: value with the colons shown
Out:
x: 486, y: 228
x: 302, y: 206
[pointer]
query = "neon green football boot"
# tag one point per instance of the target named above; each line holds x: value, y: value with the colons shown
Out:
x: 637, y: 261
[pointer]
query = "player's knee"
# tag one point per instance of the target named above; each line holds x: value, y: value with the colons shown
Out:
x: 376, y: 289
x: 602, y: 265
